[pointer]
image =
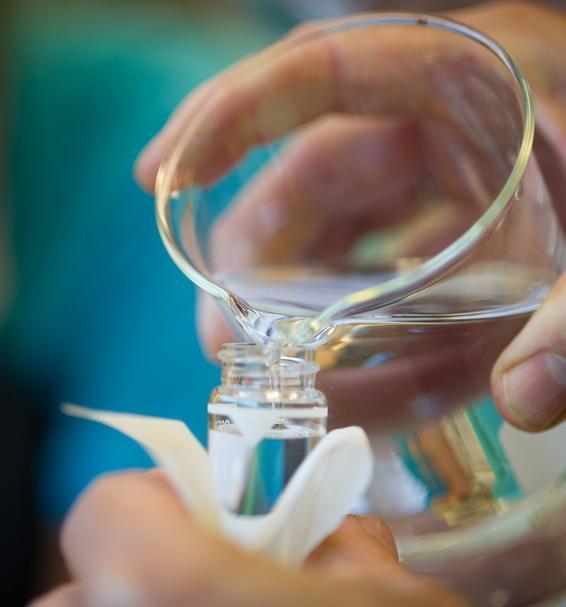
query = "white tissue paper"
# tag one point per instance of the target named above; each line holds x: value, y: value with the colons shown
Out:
x: 326, y: 486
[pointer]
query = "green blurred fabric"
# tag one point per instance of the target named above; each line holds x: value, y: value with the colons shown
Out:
x: 102, y: 317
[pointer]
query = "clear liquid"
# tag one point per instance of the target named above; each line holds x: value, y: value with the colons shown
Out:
x: 403, y: 365
x: 284, y: 300
x: 400, y: 374
x: 250, y: 478
x: 409, y: 372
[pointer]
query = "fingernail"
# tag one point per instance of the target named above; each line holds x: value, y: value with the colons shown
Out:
x: 113, y: 591
x: 534, y: 390
x: 379, y: 531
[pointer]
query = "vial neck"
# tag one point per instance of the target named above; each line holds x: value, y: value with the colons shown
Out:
x: 257, y: 367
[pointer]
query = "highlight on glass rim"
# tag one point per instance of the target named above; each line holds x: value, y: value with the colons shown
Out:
x: 331, y: 358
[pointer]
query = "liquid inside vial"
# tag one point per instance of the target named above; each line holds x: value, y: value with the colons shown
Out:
x: 256, y: 451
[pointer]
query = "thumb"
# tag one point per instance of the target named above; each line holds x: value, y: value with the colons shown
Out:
x: 363, y: 552
x: 360, y: 542
x: 529, y: 379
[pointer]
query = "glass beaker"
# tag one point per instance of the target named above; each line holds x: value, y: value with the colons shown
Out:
x: 367, y: 188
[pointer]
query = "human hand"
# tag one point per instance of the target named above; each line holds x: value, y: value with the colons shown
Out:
x: 535, y: 36
x: 129, y: 542
x: 529, y: 378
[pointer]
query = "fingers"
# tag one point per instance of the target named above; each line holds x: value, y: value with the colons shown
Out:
x: 295, y: 210
x: 536, y: 37
x: 150, y: 158
x: 532, y: 33
x: 118, y: 532
x: 529, y: 378
x: 361, y: 541
x: 363, y: 553
x: 285, y: 87
x: 228, y: 103
x: 352, y: 173
x: 130, y: 542
x: 147, y: 164
x: 66, y: 596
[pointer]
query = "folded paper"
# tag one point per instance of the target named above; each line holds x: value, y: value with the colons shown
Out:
x: 325, y: 487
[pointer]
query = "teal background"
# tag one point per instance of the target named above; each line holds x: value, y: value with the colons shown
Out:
x: 102, y: 317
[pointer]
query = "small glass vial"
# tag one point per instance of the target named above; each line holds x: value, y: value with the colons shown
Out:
x: 264, y: 420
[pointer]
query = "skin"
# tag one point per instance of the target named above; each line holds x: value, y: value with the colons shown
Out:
x: 133, y: 523
x: 128, y: 541
x: 528, y: 379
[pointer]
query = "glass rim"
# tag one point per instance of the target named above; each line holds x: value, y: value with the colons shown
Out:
x: 410, y: 281
x: 295, y: 361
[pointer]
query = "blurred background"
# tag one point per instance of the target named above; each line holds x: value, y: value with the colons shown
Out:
x: 92, y: 310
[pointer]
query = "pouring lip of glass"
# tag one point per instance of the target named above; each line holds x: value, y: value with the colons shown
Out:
x: 394, y: 289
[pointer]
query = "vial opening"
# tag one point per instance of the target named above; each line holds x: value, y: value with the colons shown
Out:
x: 249, y: 362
